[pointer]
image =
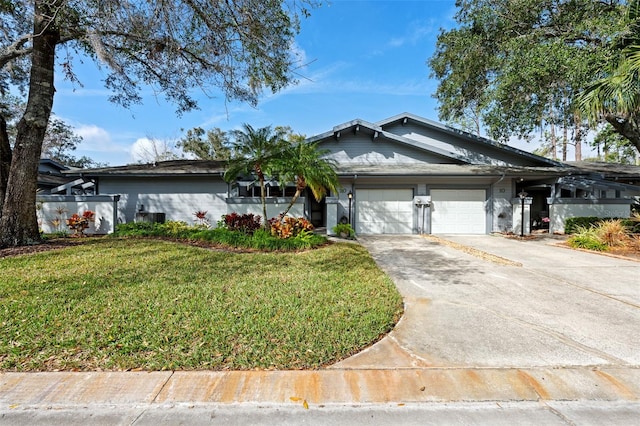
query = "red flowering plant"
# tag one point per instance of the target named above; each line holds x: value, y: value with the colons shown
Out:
x: 246, y: 223
x: 78, y: 223
x: 202, y: 219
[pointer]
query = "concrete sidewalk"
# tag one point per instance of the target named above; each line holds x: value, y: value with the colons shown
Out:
x: 331, y: 386
x: 553, y: 341
x: 401, y: 396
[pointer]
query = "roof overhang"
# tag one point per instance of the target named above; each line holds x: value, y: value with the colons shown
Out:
x: 161, y: 168
x: 451, y: 170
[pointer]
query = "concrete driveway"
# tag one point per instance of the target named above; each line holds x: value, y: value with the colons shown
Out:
x: 550, y: 307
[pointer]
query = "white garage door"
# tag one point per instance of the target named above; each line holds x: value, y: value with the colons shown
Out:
x: 458, y: 211
x: 384, y: 211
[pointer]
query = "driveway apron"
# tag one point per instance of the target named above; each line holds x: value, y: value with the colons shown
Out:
x: 550, y: 307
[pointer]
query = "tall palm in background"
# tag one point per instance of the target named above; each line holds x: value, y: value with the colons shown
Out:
x: 304, y: 164
x: 615, y: 97
x: 256, y: 151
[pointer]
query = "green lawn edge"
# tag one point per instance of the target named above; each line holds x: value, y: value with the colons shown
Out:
x: 140, y: 304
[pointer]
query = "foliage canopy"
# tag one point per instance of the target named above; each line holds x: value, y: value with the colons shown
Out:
x: 238, y: 47
x: 515, y: 66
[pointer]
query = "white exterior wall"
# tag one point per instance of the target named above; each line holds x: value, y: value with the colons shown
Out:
x: 502, y: 211
x: 177, y: 197
x: 332, y: 214
x: 558, y: 213
x: 59, y: 208
x: 517, y: 221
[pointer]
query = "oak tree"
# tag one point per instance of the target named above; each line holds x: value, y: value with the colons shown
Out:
x: 240, y: 47
x: 518, y: 65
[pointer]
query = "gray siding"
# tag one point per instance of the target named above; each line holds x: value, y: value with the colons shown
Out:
x: 476, y: 153
x: 362, y: 149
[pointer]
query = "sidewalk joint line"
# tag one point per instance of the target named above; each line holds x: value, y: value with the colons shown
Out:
x: 155, y: 397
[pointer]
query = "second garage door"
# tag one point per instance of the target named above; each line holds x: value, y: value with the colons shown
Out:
x: 458, y: 211
x: 384, y: 211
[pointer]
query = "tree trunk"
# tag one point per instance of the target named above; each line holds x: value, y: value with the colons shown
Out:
x: 301, y: 185
x: 578, y: 136
x: 19, y: 225
x: 5, y: 160
x: 263, y: 199
x: 554, y: 142
x: 629, y: 127
x: 565, y: 139
x: 263, y: 195
x: 293, y: 201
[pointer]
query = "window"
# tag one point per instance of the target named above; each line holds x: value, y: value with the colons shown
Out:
x: 252, y: 189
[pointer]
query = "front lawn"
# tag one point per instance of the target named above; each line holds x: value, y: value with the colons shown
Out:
x: 119, y: 304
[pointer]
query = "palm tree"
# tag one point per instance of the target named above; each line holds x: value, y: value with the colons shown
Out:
x: 256, y: 151
x: 616, y: 96
x: 303, y: 163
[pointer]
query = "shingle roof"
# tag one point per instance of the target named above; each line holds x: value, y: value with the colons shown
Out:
x: 609, y: 170
x: 416, y: 169
x: 161, y: 168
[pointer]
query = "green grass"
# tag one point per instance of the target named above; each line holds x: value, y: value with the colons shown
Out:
x: 118, y: 304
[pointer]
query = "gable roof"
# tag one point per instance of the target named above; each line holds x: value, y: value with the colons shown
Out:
x: 359, y: 125
x: 405, y: 118
x: 51, y: 166
x: 393, y: 141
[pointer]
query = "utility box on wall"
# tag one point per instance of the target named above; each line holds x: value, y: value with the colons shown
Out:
x: 150, y: 217
x: 423, y: 204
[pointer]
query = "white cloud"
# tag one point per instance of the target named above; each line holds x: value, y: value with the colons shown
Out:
x: 96, y: 138
x: 299, y: 54
x: 416, y: 31
x: 145, y: 150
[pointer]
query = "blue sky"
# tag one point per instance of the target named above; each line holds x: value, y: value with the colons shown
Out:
x: 366, y: 59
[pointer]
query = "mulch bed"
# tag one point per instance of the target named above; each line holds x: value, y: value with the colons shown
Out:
x: 60, y: 243
x: 37, y: 248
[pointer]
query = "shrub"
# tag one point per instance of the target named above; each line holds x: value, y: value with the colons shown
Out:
x: 632, y: 224
x: 136, y: 229
x: 613, y: 233
x: 602, y: 235
x: 344, y: 229
x: 587, y: 238
x: 259, y: 239
x: 289, y: 227
x: 572, y: 225
x: 247, y: 223
x: 175, y: 228
x: 202, y: 219
x: 78, y: 223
